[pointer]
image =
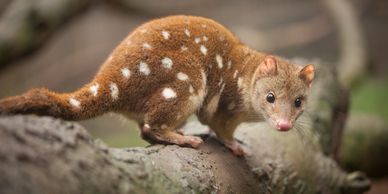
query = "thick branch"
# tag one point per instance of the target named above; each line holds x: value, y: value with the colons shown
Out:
x: 41, y: 155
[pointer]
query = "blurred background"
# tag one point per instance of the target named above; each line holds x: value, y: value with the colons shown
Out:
x: 60, y: 44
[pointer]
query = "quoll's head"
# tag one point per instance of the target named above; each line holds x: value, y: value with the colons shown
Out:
x: 280, y: 91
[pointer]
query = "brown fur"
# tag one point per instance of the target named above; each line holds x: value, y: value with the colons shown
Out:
x: 223, y: 90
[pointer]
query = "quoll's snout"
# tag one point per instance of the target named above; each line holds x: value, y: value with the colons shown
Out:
x: 283, y: 125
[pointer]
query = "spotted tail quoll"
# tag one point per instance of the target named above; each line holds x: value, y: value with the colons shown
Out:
x: 168, y: 69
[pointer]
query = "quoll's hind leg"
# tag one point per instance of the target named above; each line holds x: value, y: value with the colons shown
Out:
x: 168, y: 109
x: 169, y: 136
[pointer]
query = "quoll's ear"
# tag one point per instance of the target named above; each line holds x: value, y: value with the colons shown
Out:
x: 267, y: 68
x: 307, y: 74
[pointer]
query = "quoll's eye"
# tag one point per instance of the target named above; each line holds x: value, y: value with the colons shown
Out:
x: 298, y: 102
x: 270, y: 97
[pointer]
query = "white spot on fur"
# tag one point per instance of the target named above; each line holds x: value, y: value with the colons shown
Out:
x: 203, y: 49
x: 94, y: 89
x: 167, y: 63
x: 143, y: 31
x: 204, y: 80
x: 182, y: 76
x: 235, y: 74
x: 197, y: 40
x: 165, y: 34
x: 219, y: 61
x: 147, y: 126
x: 110, y: 58
x: 74, y: 102
x: 147, y: 46
x: 143, y: 68
x: 220, y: 82
x: 205, y: 38
x: 126, y: 73
x: 229, y: 64
x: 164, y: 126
x: 168, y: 93
x: 183, y: 48
x: 239, y: 82
x: 222, y: 88
x: 231, y: 106
x: 114, y: 90
x: 246, y: 51
x: 187, y: 32
x: 191, y: 89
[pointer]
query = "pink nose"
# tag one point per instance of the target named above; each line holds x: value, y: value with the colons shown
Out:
x: 283, y: 126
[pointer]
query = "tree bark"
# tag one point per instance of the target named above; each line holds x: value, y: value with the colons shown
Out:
x: 46, y: 155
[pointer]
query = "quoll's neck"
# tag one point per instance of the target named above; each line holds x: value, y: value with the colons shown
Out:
x: 247, y: 61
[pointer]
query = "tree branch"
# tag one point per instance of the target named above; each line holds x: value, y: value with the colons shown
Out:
x: 41, y: 155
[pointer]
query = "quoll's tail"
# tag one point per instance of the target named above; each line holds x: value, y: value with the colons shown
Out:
x: 87, y: 102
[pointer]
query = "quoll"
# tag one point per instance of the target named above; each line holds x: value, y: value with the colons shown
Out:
x: 168, y: 69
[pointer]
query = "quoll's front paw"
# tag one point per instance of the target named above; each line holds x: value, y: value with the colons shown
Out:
x: 235, y: 148
x: 192, y: 141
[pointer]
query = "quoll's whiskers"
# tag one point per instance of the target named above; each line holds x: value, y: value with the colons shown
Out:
x: 305, y: 130
x: 299, y: 131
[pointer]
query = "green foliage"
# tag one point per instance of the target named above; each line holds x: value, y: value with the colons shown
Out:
x: 371, y: 97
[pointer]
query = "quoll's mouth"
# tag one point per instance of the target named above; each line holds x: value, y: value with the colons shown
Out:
x: 283, y: 129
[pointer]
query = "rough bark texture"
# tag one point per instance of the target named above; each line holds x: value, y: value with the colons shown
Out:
x: 45, y: 155
x: 41, y: 155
